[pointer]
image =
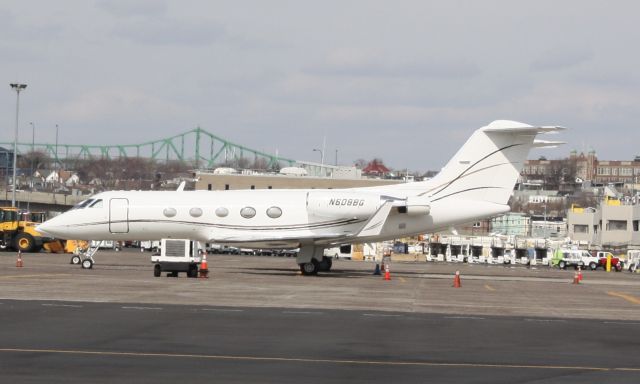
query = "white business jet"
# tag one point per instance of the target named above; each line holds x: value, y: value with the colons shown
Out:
x: 476, y: 183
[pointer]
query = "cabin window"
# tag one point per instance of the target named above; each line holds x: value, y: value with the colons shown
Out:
x: 248, y: 212
x: 96, y: 204
x: 170, y: 212
x: 195, y: 212
x: 222, y: 212
x: 274, y: 212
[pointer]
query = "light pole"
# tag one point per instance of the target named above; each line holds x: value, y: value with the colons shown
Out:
x: 17, y: 87
x: 33, y: 143
x: 321, y: 155
x: 56, y: 156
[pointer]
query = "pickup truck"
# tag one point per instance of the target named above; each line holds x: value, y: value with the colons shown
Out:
x: 564, y: 258
x: 616, y: 263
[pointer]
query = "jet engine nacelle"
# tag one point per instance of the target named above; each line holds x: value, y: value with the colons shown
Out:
x: 341, y: 204
x: 418, y: 206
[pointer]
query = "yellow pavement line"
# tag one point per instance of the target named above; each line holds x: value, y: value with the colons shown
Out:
x: 309, y: 360
x: 629, y: 298
x: 40, y: 275
x: 489, y: 288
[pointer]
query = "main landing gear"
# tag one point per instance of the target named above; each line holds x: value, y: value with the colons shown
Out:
x: 311, y: 260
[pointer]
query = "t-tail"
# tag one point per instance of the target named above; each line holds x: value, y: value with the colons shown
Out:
x: 488, y: 165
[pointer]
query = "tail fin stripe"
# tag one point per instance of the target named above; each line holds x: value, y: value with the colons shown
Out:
x: 474, y: 164
x: 467, y: 175
x: 464, y: 190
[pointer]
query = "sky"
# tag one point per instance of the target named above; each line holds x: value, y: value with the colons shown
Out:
x: 405, y: 81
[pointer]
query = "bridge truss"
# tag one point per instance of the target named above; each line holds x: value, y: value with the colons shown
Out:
x: 198, y: 147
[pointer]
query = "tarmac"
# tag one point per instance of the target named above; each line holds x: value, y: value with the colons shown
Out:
x: 256, y: 319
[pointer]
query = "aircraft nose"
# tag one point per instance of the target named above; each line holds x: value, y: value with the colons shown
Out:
x: 50, y: 227
x: 44, y: 228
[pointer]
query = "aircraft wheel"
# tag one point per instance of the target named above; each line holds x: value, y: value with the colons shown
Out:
x: 157, y: 270
x: 87, y: 264
x: 75, y: 259
x: 310, y: 269
x: 562, y: 265
x: 325, y: 264
x: 593, y: 266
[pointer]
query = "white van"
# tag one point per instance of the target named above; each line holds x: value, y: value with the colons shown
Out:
x: 343, y: 252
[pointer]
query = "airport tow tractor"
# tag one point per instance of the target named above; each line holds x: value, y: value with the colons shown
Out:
x: 177, y: 255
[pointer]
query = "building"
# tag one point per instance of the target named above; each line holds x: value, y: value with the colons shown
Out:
x: 230, y: 181
x: 6, y: 162
x: 511, y: 224
x: 550, y: 227
x: 584, y: 168
x: 614, y: 224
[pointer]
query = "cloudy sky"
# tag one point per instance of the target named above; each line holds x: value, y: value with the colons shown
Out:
x: 407, y: 81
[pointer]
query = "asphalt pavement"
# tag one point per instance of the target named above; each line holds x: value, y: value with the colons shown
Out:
x: 256, y: 320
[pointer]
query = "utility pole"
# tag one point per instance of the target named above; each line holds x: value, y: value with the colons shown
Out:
x: 17, y: 87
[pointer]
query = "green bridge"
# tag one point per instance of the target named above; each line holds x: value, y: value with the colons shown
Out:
x: 197, y: 146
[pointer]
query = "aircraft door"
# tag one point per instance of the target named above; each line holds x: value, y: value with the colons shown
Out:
x: 119, y: 215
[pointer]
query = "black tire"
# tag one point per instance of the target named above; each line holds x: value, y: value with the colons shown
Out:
x: 75, y: 259
x: 192, y: 272
x: 562, y: 264
x: 157, y: 270
x: 24, y: 242
x: 87, y: 264
x: 172, y: 274
x: 593, y: 266
x: 326, y: 264
x: 310, y: 268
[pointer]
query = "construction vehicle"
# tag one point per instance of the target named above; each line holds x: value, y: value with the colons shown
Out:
x: 32, y: 219
x: 18, y: 233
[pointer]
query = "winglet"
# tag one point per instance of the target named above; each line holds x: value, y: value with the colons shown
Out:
x: 374, y: 226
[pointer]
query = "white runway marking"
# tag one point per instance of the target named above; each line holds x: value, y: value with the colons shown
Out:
x: 465, y: 317
x: 62, y: 305
x: 620, y: 322
x: 303, y: 312
x: 221, y: 310
x: 380, y: 315
x: 143, y: 308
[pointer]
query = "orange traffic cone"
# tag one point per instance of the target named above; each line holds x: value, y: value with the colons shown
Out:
x: 456, y: 280
x: 576, y: 279
x: 579, y: 274
x: 387, y: 274
x: 204, y: 268
x: 19, y: 263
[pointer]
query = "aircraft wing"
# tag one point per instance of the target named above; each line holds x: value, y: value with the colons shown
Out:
x: 374, y: 226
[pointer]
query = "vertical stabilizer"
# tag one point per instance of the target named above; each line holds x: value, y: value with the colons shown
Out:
x: 487, y: 167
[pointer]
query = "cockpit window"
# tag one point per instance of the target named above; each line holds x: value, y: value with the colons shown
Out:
x: 83, y: 204
x: 96, y: 204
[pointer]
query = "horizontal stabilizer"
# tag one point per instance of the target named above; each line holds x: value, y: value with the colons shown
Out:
x: 547, y: 143
x: 506, y: 126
